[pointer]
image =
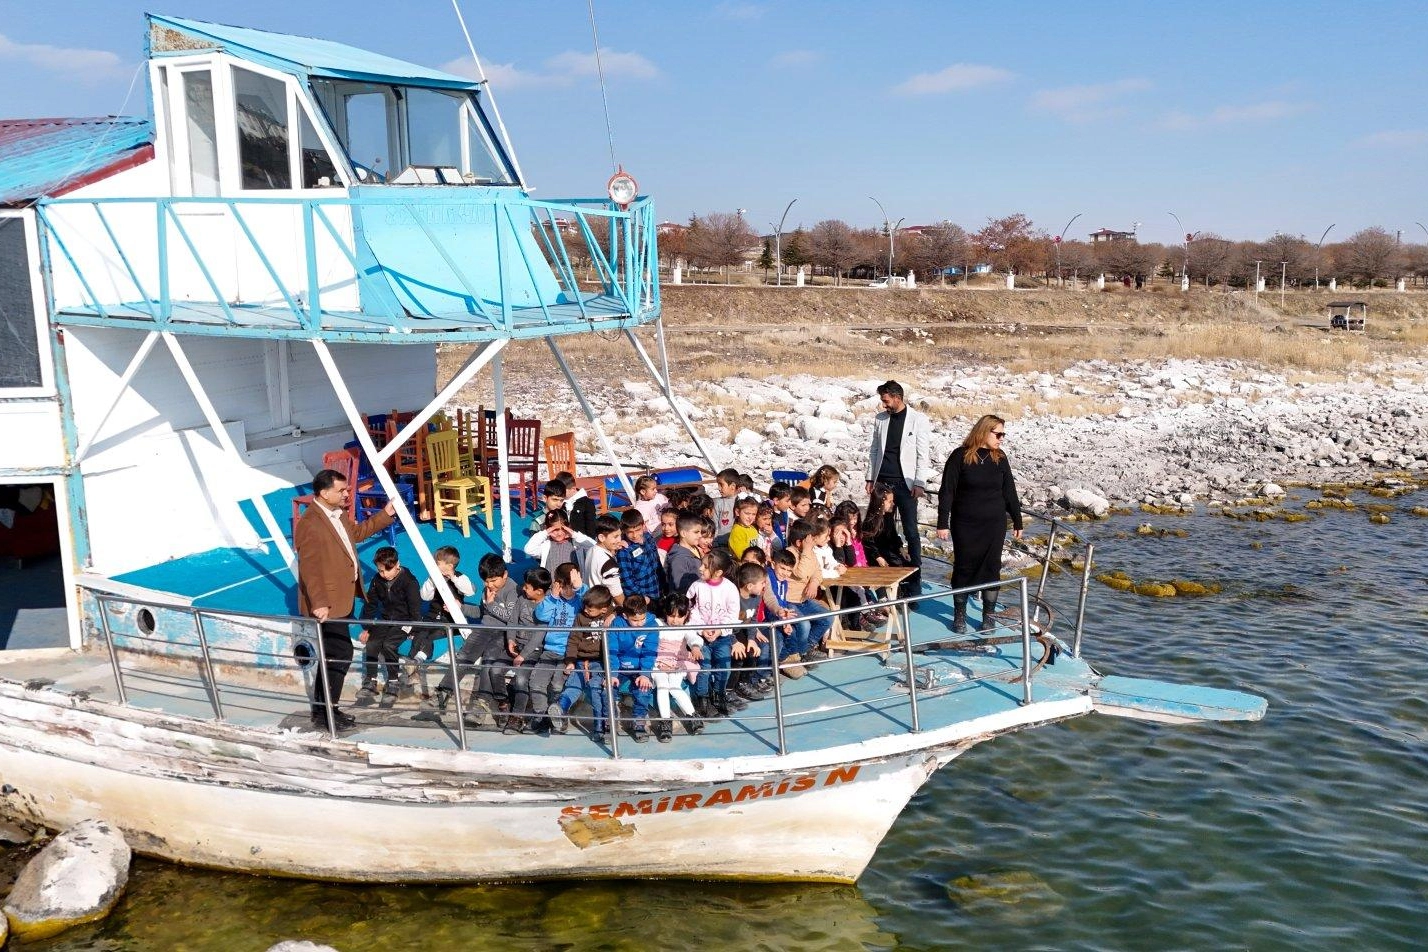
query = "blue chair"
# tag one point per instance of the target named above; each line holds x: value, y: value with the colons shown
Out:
x: 674, y: 477
x: 791, y: 476
x: 615, y: 497
x: 374, y: 499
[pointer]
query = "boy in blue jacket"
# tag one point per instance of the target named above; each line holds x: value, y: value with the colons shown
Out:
x: 634, y: 642
x: 557, y: 611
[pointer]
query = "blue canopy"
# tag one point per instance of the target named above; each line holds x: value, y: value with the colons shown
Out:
x: 301, y: 54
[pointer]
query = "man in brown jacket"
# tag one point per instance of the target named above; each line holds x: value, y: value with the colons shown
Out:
x: 330, y: 581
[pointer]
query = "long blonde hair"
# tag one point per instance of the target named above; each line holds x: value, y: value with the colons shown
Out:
x: 978, y: 437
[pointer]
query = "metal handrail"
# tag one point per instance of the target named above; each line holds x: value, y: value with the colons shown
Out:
x: 780, y: 714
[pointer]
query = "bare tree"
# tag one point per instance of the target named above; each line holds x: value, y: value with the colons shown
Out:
x: 1125, y: 258
x: 1295, y: 251
x: 1415, y: 260
x: 1013, y: 244
x: 833, y: 245
x: 934, y: 250
x: 1078, y: 258
x: 1369, y: 255
x: 719, y: 240
x: 1212, y: 258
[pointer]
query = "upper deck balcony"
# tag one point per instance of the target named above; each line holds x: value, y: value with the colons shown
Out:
x: 305, y: 189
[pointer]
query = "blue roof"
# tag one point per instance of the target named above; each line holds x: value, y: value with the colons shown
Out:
x: 305, y: 55
x: 40, y: 157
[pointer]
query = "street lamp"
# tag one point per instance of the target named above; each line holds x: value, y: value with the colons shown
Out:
x: 1317, y: 248
x: 1256, y: 278
x: 1059, y: 238
x: 1185, y: 268
x: 778, y: 247
x: 891, y: 228
x: 1283, y: 266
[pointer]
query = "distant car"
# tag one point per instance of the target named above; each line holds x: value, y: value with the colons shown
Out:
x: 882, y: 284
x: 896, y: 281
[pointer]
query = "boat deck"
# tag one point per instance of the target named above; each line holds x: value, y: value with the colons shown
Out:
x: 847, y: 700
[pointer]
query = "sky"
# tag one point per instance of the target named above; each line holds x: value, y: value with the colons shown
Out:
x: 1242, y: 120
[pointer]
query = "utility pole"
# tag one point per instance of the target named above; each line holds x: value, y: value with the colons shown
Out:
x: 887, y: 223
x: 1060, y: 238
x: 778, y: 235
x: 1319, y: 247
x: 1283, y: 265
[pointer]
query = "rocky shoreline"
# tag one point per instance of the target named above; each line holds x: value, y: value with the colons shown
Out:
x: 1180, y: 432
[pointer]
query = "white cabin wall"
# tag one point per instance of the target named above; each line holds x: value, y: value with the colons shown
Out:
x: 156, y: 464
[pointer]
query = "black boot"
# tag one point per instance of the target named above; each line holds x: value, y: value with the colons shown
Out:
x: 721, y: 703
x: 663, y: 731
x: 989, y: 606
x: 959, y: 614
x: 693, y: 725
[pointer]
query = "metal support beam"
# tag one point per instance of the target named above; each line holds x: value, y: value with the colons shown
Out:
x: 280, y: 540
x: 389, y: 485
x: 473, y: 365
x: 503, y: 455
x: 127, y: 377
x: 594, y: 420
x: 669, y: 396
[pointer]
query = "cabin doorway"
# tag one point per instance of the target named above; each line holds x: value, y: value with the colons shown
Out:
x: 36, y: 592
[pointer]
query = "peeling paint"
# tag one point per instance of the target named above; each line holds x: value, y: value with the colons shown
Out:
x: 587, y: 831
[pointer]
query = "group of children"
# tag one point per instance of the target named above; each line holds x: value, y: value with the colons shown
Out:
x: 653, y: 593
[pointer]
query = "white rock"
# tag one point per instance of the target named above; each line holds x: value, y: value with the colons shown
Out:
x: 1086, y: 500
x: 1271, y: 490
x: 747, y: 437
x: 77, y: 878
x: 290, y: 945
x: 636, y: 388
x: 833, y: 410
x: 774, y: 430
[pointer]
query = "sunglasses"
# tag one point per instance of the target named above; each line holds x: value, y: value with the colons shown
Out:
x: 999, y: 434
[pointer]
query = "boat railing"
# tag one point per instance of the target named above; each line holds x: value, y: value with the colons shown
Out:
x: 385, y: 260
x: 304, y: 654
x: 1059, y: 532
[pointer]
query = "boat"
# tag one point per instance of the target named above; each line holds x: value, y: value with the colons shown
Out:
x: 206, y: 302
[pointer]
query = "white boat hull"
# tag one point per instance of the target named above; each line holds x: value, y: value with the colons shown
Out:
x: 296, y: 804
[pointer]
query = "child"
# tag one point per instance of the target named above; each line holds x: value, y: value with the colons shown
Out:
x: 557, y: 611
x: 668, y: 533
x: 681, y: 566
x: 639, y: 559
x: 750, y: 644
x: 727, y: 482
x: 804, y: 584
x: 745, y: 484
x: 699, y: 504
x: 649, y: 502
x: 634, y: 643
x: 780, y: 499
x: 755, y: 555
x: 601, y: 566
x: 799, y: 499
x: 556, y: 543
x: 744, y: 533
x: 523, y: 643
x: 392, y: 596
x: 676, y: 666
x: 714, y: 603
x: 828, y: 566
x: 579, y: 507
x: 584, y: 670
x: 764, y: 524
x: 706, y: 535
x: 823, y: 484
x: 881, y: 541
x: 792, y: 636
x: 485, y: 643
x: 455, y: 584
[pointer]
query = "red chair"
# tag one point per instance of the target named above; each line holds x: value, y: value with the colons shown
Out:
x: 523, y: 449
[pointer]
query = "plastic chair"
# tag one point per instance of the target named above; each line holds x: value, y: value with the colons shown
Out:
x: 559, y: 454
x: 791, y: 476
x: 454, y: 497
x: 371, y: 498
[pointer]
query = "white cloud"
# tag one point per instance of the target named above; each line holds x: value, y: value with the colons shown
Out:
x: 1230, y: 115
x: 1395, y: 139
x: 795, y: 59
x: 739, y: 11
x: 562, y: 69
x: 84, y: 65
x: 1087, y: 103
x: 955, y: 77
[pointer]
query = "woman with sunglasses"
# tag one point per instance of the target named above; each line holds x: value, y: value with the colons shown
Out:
x: 978, y: 494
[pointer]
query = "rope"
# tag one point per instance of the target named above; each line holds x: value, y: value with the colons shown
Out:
x: 604, y: 99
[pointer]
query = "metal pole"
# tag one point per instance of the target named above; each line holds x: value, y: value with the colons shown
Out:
x: 456, y: 680
x: 778, y: 236
x: 113, y: 654
x: 1025, y: 644
x: 887, y: 223
x: 208, y: 664
x: 1256, y: 278
x: 912, y: 673
x: 778, y: 691
x: 503, y: 455
x: 1319, y: 247
x: 1060, y: 238
x: 609, y: 688
x: 1081, y: 601
x: 1283, y: 266
x: 327, y: 704
x: 1046, y: 562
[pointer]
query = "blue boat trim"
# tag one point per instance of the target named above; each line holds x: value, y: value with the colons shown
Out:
x: 1144, y: 699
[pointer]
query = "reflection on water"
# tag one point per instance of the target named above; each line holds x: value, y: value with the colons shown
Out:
x: 1306, y: 830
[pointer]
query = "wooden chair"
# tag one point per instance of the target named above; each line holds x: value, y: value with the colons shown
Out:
x: 410, y: 460
x: 376, y: 424
x: 522, y: 450
x: 454, y: 497
x: 487, y: 441
x: 559, y: 455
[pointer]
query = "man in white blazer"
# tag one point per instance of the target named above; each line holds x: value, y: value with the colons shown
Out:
x: 901, y: 457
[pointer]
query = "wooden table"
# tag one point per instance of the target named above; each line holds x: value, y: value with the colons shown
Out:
x: 884, y: 582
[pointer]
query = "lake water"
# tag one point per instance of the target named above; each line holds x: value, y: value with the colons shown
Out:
x: 1306, y: 830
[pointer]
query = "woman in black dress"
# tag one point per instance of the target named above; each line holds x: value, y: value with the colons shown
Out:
x: 978, y: 494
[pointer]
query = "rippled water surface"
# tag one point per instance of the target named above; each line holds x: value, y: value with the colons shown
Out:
x: 1306, y: 830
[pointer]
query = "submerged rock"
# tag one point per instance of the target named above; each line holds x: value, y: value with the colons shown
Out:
x: 1154, y: 589
x: 77, y: 878
x: 1379, y: 518
x: 1015, y: 896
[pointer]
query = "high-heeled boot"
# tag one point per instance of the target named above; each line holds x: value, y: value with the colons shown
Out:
x: 959, y: 614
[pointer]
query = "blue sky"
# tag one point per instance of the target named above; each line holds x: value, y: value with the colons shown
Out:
x: 1241, y: 119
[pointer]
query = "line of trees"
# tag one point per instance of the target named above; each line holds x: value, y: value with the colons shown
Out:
x: 1015, y: 244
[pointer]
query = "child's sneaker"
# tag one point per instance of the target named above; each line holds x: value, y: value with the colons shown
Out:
x: 559, y: 722
x: 367, y: 696
x: 663, y: 731
x: 639, y: 733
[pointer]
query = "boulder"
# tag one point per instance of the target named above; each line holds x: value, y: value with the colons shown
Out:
x: 1080, y: 499
x: 77, y: 878
x: 1271, y: 490
x: 747, y: 437
x: 301, y: 945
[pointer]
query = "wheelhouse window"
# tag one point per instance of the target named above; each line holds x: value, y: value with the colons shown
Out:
x: 317, y: 168
x: 262, y: 113
x: 202, y: 131
x: 387, y: 130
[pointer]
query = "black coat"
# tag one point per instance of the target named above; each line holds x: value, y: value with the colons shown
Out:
x: 974, y: 502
